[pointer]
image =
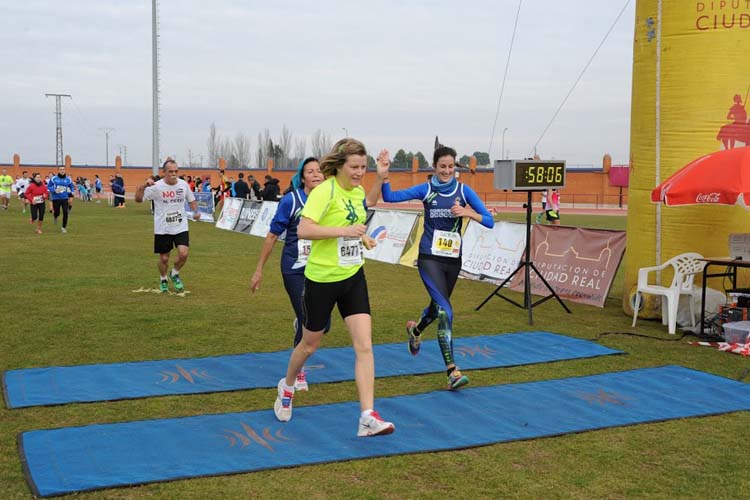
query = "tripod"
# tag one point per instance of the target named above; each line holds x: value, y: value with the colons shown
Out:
x: 527, y: 265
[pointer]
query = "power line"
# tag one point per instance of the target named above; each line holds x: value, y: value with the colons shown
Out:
x: 505, y: 74
x: 580, y: 76
x: 59, y: 154
x: 81, y: 118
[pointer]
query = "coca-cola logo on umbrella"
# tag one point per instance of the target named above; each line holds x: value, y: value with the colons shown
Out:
x: 707, y: 198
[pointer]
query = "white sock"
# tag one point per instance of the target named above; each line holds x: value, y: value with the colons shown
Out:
x: 175, y: 273
x: 164, y: 278
x: 366, y: 413
x: 286, y: 387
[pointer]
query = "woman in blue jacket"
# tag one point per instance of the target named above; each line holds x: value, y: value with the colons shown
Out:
x: 446, y: 201
x: 295, y: 252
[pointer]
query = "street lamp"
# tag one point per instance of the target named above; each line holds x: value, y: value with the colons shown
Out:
x: 502, y: 154
x: 346, y: 132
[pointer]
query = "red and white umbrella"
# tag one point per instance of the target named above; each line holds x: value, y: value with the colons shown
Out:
x: 720, y: 178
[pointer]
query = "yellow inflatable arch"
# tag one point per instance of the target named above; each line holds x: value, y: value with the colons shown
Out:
x: 691, y: 77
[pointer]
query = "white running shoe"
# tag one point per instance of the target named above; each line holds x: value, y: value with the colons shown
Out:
x: 373, y: 425
x: 283, y: 405
x: 64, y: 230
x: 300, y: 384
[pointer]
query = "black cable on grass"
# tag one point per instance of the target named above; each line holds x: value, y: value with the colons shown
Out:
x: 632, y: 334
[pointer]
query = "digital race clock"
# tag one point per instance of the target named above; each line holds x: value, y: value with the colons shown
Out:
x: 529, y: 175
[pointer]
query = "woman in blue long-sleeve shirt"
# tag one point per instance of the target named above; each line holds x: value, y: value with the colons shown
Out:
x: 446, y: 201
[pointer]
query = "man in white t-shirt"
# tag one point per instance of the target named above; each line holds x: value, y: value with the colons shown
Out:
x: 170, y: 220
x: 21, y: 184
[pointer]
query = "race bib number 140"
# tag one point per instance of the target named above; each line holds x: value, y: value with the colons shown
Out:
x: 446, y: 243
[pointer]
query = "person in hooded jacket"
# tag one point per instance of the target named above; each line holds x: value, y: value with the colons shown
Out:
x: 271, y: 189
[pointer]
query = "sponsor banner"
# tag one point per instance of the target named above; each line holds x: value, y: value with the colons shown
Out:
x: 391, y: 230
x: 230, y: 212
x: 262, y: 222
x: 409, y: 257
x: 249, y: 212
x: 492, y: 254
x: 579, y: 264
x: 205, y: 203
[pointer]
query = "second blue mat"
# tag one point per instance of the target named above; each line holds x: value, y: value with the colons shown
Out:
x: 74, y: 459
x: 109, y: 382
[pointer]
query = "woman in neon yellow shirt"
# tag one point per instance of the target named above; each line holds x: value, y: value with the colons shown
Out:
x: 334, y: 220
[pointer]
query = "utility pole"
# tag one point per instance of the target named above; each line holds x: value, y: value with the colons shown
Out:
x: 59, y: 156
x: 107, y: 131
x: 155, y: 87
x: 502, y: 154
x: 123, y: 154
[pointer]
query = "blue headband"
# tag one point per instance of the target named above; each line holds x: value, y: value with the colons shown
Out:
x: 297, y: 179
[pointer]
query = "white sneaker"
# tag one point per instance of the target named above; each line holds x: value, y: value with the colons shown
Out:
x: 300, y: 384
x: 64, y: 230
x: 373, y: 425
x: 283, y: 405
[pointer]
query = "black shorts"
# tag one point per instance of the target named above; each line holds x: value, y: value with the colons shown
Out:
x: 164, y: 243
x: 318, y: 300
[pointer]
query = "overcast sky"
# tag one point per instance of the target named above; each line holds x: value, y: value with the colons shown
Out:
x: 393, y: 73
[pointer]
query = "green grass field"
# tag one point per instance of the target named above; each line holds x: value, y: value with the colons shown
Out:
x: 68, y: 300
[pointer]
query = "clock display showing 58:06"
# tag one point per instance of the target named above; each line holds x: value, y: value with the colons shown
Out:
x: 540, y: 175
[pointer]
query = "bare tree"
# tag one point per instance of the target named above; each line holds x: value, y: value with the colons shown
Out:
x: 213, y: 145
x: 285, y: 145
x: 300, y: 150
x: 321, y: 143
x: 261, y: 152
x: 242, y: 149
x: 226, y: 151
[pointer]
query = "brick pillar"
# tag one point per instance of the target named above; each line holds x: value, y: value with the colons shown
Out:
x: 16, y: 161
x: 118, y: 164
x: 68, y: 162
x: 269, y: 166
x: 604, y: 186
x: 472, y: 169
x: 222, y: 164
x: 415, y: 171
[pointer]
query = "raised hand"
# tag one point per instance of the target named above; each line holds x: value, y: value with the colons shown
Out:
x: 383, y: 163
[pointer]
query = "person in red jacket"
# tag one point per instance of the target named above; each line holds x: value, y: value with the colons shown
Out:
x: 36, y: 194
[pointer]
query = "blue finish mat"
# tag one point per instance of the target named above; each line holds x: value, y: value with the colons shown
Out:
x: 75, y: 459
x: 109, y: 382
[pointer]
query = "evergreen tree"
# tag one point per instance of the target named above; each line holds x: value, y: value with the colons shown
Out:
x: 399, y: 161
x: 483, y: 159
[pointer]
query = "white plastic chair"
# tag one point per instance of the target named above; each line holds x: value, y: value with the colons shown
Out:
x: 686, y: 266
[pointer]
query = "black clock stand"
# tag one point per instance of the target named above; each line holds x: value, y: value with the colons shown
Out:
x: 527, y: 265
